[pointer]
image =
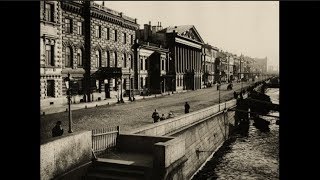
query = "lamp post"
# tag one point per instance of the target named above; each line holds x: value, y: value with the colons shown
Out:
x: 240, y: 73
x: 118, y: 90
x: 67, y: 81
x: 121, y: 98
x: 219, y: 88
x: 130, y: 99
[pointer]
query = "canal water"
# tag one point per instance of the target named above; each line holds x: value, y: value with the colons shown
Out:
x: 253, y: 156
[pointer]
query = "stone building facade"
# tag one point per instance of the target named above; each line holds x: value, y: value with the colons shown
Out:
x: 86, y: 37
x: 50, y: 53
x: 208, y: 64
x: 152, y: 68
x: 185, y: 46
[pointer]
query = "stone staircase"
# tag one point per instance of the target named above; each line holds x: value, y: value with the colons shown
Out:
x: 110, y: 169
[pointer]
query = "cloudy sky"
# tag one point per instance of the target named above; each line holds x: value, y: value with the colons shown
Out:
x: 247, y: 27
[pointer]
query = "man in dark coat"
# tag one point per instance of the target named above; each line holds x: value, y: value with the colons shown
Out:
x: 186, y: 108
x: 155, y: 116
x: 57, y: 130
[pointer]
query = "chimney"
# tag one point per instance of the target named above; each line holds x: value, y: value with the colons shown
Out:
x: 149, y: 23
x: 145, y: 32
x: 103, y: 3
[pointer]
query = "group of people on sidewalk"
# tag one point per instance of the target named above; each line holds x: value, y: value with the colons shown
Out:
x: 156, y: 117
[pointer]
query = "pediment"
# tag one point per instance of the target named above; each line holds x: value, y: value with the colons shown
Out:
x: 191, y: 34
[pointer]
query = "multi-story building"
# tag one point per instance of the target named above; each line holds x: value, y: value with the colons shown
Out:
x: 86, y: 37
x: 185, y: 46
x: 50, y: 53
x: 152, y: 67
x: 185, y: 54
x: 208, y: 65
x: 230, y: 63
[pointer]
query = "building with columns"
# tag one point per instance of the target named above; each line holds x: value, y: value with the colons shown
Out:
x: 185, y: 46
x: 80, y: 38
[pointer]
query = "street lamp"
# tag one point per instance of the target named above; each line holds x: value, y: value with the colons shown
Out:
x: 67, y: 81
x: 130, y: 99
x: 121, y: 98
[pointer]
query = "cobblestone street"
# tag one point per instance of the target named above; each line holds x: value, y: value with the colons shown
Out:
x: 136, y: 114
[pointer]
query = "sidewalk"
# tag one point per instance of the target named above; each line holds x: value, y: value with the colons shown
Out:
x: 64, y: 107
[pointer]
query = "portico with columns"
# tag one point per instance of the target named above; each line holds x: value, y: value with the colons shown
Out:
x: 185, y: 45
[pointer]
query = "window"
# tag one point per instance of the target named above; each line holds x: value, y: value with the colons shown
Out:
x: 107, y: 59
x: 125, y: 84
x: 115, y: 35
x: 98, y: 31
x: 162, y: 64
x: 98, y: 59
x: 50, y: 55
x: 131, y: 37
x: 50, y: 88
x: 68, y: 24
x: 80, y: 28
x: 68, y: 62
x: 80, y: 57
x: 115, y: 59
x: 49, y: 12
x: 107, y: 31
x: 124, y: 60
x: 141, y: 64
x: 141, y: 82
x: 124, y: 38
x: 131, y: 61
x: 146, y: 67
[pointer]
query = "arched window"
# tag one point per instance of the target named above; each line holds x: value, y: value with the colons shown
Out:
x: 115, y: 59
x: 98, y: 59
x: 80, y: 57
x: 107, y: 59
x: 124, y: 60
x: 68, y: 62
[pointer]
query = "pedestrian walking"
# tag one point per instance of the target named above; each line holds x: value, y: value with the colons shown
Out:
x: 155, y: 116
x: 57, y: 129
x: 186, y: 108
x: 162, y: 118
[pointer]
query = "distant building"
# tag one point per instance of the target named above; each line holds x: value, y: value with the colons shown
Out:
x: 208, y: 66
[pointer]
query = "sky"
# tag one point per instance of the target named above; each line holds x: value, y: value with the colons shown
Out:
x: 250, y: 28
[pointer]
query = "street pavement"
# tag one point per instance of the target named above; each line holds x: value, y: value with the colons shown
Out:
x: 131, y: 115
